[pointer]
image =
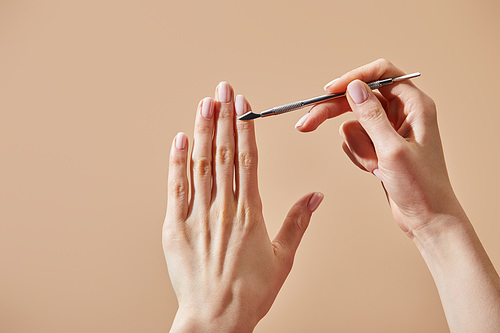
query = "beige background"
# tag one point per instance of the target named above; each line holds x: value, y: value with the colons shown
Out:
x: 92, y: 92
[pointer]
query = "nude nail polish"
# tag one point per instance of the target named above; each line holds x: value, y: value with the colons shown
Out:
x: 224, y: 92
x: 207, y: 108
x: 240, y: 105
x: 376, y: 173
x: 331, y: 83
x: 357, y: 90
x: 315, y: 201
x: 302, y: 120
x: 181, y: 141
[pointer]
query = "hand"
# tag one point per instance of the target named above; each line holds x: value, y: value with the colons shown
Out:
x: 396, y: 137
x: 224, y: 269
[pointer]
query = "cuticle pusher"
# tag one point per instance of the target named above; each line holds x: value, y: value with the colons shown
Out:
x: 316, y: 100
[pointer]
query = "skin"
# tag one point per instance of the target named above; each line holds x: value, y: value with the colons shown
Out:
x: 226, y: 272
x: 395, y: 136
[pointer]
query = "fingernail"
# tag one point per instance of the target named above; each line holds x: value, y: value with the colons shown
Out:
x: 357, y: 91
x: 240, y: 105
x: 181, y: 141
x: 376, y: 172
x: 224, y: 92
x: 302, y: 120
x: 207, y: 108
x: 315, y: 201
x: 331, y: 83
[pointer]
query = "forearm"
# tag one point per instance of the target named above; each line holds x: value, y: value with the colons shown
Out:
x: 468, y: 285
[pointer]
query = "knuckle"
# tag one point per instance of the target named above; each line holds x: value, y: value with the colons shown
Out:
x: 224, y: 215
x: 429, y: 105
x: 383, y: 64
x: 203, y: 127
x: 247, y: 160
x: 285, y: 252
x: 371, y: 113
x: 244, y: 125
x: 226, y: 113
x: 301, y: 222
x: 202, y: 166
x: 425, y: 105
x: 398, y: 152
x: 177, y: 160
x: 249, y: 211
x: 245, y: 214
x: 224, y: 155
x: 172, y: 237
x: 168, y: 231
x: 178, y: 189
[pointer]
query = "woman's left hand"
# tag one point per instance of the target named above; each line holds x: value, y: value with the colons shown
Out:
x: 224, y: 269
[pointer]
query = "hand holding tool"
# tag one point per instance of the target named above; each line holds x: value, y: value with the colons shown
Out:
x: 316, y: 100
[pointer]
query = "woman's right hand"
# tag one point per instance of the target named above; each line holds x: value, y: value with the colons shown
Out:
x: 395, y: 136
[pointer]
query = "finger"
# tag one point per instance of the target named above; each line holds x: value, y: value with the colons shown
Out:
x: 381, y: 99
x: 296, y: 223
x: 247, y: 155
x: 359, y: 145
x: 349, y: 154
x: 372, y: 117
x: 321, y: 112
x: 223, y: 145
x: 379, y: 69
x: 177, y: 178
x: 201, y: 157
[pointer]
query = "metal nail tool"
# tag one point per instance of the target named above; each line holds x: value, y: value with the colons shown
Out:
x: 316, y: 100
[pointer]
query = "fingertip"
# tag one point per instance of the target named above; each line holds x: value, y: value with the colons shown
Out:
x: 302, y: 121
x: 342, y: 130
x: 180, y: 141
x: 241, y: 105
x: 311, y: 121
x: 329, y: 85
x: 207, y: 106
x: 337, y: 86
x: 224, y: 92
x: 315, y: 201
x: 357, y: 91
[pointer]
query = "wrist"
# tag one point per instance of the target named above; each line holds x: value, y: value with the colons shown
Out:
x: 441, y: 228
x: 192, y: 321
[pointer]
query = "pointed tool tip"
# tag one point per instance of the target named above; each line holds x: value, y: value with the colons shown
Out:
x: 407, y: 76
x: 249, y: 116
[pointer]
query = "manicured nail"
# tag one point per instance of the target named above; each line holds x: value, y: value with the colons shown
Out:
x: 302, y: 120
x: 181, y: 141
x: 207, y: 108
x: 331, y: 83
x: 224, y: 92
x: 240, y: 105
x: 357, y: 90
x: 315, y: 201
x: 376, y: 172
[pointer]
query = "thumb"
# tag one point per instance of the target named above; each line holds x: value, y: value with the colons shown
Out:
x: 296, y: 223
x: 371, y: 115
